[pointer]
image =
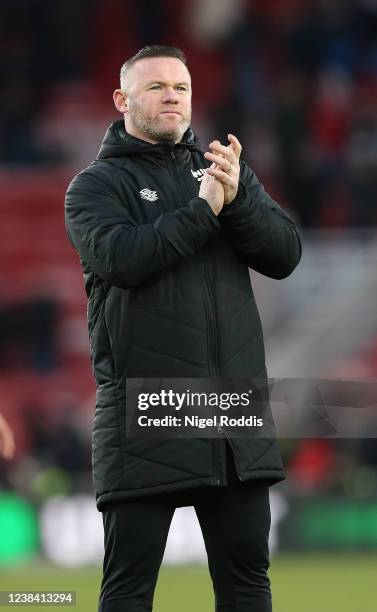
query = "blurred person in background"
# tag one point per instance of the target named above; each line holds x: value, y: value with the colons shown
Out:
x: 7, y: 444
x: 165, y: 235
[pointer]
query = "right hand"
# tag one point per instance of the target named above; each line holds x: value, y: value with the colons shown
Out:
x: 213, y: 191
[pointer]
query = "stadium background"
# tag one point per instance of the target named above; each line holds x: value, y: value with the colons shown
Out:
x: 296, y: 80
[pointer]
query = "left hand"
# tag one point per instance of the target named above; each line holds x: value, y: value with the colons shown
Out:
x: 227, y: 169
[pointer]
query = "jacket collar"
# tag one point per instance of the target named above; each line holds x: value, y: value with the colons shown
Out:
x: 119, y: 143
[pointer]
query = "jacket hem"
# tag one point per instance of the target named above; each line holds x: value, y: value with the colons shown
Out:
x: 270, y: 476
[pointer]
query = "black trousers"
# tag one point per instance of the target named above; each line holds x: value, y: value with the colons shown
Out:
x: 235, y: 522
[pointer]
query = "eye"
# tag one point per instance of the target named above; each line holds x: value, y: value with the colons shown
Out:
x: 155, y: 87
x: 182, y: 88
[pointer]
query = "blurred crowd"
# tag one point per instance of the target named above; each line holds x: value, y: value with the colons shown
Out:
x: 295, y: 79
x: 28, y: 330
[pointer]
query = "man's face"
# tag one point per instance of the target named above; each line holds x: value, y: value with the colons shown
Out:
x: 158, y: 99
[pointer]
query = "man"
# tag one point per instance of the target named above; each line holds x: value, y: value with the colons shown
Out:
x: 165, y: 260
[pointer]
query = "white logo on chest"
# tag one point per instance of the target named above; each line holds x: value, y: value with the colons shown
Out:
x: 198, y: 174
x: 148, y: 194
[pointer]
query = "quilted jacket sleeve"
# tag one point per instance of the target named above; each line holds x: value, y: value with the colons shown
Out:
x: 118, y: 250
x: 260, y: 232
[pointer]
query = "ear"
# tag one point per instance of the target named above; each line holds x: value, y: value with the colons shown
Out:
x: 120, y: 100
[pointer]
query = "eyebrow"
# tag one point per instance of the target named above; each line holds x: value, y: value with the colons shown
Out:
x: 157, y: 82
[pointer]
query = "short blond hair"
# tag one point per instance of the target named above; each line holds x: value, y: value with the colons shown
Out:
x: 149, y: 51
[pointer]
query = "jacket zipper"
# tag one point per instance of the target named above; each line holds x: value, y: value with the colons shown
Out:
x: 210, y: 311
x: 209, y: 301
x: 234, y: 458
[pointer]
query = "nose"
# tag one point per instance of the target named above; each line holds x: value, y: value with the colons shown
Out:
x: 170, y: 95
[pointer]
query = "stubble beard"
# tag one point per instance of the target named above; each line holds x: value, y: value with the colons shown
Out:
x: 155, y: 129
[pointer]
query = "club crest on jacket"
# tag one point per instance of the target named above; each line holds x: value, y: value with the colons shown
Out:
x: 199, y: 174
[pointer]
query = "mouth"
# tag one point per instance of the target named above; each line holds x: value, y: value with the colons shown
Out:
x: 171, y: 112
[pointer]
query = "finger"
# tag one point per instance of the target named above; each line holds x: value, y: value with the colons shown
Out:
x: 207, y: 177
x: 227, y: 152
x: 213, y: 165
x: 220, y: 161
x: 235, y: 144
x: 223, y: 177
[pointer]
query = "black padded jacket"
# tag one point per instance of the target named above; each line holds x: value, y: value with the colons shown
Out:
x: 169, y: 296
